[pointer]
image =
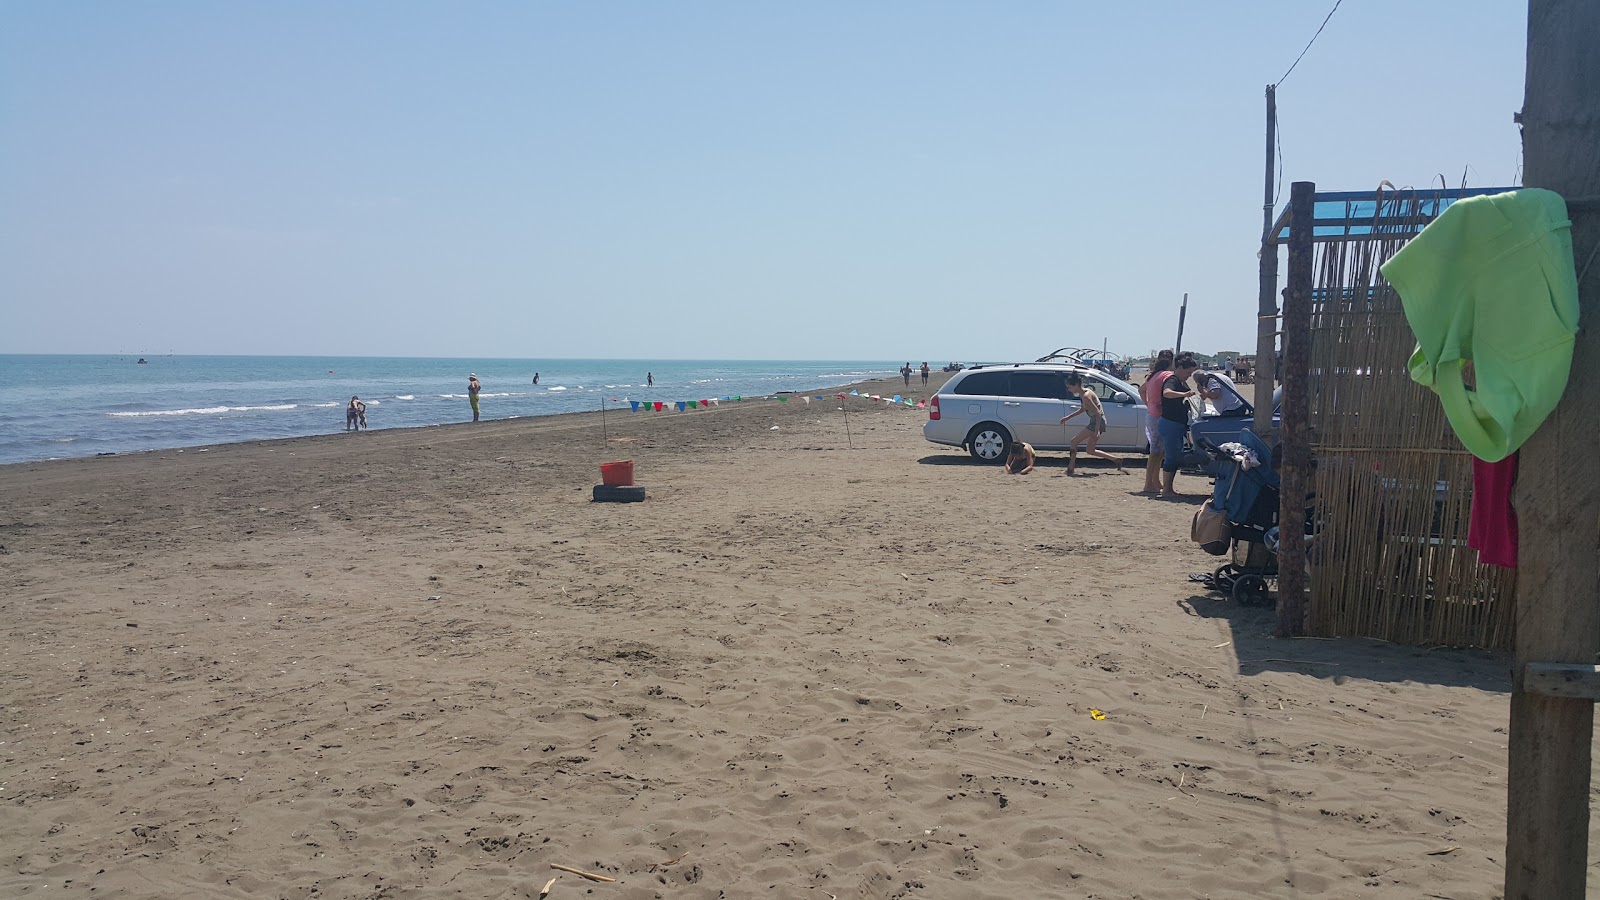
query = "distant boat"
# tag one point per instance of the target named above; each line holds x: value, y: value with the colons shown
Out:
x: 143, y: 361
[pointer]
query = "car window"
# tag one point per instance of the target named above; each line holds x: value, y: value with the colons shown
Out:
x: 987, y: 383
x: 1102, y: 389
x: 1049, y: 385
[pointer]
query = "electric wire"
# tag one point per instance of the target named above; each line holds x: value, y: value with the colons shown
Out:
x: 1312, y: 41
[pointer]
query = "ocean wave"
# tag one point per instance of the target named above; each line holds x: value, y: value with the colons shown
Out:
x: 323, y: 405
x: 556, y: 388
x: 201, y: 411
x: 405, y: 396
x: 207, y: 410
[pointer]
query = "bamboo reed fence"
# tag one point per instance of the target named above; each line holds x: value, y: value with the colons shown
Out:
x: 1393, y: 484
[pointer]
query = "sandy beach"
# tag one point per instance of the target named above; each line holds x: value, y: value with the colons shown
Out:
x: 421, y: 663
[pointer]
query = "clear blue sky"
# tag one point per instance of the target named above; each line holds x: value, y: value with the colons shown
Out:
x: 727, y: 180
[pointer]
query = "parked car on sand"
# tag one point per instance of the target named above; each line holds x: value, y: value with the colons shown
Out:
x: 985, y: 408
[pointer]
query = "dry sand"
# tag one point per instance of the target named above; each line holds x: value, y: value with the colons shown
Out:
x: 423, y: 664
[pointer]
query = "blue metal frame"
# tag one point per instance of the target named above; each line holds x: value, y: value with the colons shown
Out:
x: 1353, y: 215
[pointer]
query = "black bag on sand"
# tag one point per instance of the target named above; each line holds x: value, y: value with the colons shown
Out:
x: 1211, y: 530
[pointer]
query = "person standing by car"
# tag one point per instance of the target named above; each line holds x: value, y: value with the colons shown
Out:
x: 1089, y: 405
x: 1151, y: 393
x: 1174, y: 424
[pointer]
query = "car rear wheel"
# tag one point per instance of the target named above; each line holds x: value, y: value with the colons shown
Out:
x: 989, y: 443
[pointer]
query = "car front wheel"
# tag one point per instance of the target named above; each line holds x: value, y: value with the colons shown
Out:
x: 989, y: 443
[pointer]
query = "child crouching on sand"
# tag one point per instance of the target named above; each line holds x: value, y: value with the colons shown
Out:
x: 1020, y: 460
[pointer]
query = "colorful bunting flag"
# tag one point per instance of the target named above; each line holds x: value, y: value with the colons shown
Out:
x: 658, y: 406
x: 681, y: 405
x: 635, y: 405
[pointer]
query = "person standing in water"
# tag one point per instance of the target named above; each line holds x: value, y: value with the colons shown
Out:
x: 536, y: 378
x: 649, y: 379
x: 355, y: 415
x: 473, y: 387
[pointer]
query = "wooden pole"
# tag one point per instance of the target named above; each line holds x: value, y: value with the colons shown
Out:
x: 1294, y: 469
x: 1183, y: 312
x: 1558, y: 490
x: 1267, y: 298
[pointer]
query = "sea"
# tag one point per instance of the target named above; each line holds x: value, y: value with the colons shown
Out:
x: 69, y: 406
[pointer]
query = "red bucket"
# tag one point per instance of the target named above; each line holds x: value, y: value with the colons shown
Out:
x: 617, y: 474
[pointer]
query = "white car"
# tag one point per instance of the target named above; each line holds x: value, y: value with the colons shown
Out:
x: 985, y: 408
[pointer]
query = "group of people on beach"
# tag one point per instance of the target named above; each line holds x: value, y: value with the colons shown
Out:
x: 1166, y: 393
x: 906, y: 372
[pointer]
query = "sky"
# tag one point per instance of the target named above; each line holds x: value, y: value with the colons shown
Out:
x: 700, y: 180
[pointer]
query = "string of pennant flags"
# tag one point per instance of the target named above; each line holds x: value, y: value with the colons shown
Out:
x: 707, y: 403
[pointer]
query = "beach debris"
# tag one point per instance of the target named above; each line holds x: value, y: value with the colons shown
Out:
x: 581, y: 873
x: 1097, y: 715
x: 671, y: 862
x: 1203, y: 709
x: 773, y: 428
x: 1450, y: 849
x: 437, y: 597
x: 545, y: 891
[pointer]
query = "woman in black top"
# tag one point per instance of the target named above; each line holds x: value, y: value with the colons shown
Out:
x: 1174, y: 423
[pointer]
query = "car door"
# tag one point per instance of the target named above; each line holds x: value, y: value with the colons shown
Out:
x: 1124, y: 421
x: 1036, y: 405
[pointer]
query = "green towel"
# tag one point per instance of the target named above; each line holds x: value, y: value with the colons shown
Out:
x: 1491, y: 281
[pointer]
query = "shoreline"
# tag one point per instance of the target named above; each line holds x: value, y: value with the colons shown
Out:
x: 575, y: 417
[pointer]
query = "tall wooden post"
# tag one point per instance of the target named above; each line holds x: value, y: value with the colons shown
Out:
x: 1294, y: 470
x: 1558, y: 491
x: 1267, y: 299
x: 1183, y: 313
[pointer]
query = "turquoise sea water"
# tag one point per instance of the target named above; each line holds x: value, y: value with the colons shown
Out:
x: 64, y: 406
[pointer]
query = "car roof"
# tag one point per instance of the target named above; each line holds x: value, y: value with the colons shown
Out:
x: 1116, y: 382
x: 1052, y: 366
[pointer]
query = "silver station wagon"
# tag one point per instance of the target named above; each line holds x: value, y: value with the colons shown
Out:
x: 984, y: 408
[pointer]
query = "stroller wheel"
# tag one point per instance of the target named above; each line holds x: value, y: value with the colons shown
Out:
x: 1250, y: 590
x: 1223, y: 578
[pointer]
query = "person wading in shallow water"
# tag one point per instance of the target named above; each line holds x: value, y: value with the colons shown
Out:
x: 355, y: 415
x: 473, y: 387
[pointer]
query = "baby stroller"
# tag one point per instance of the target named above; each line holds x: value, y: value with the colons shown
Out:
x: 1243, y: 511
